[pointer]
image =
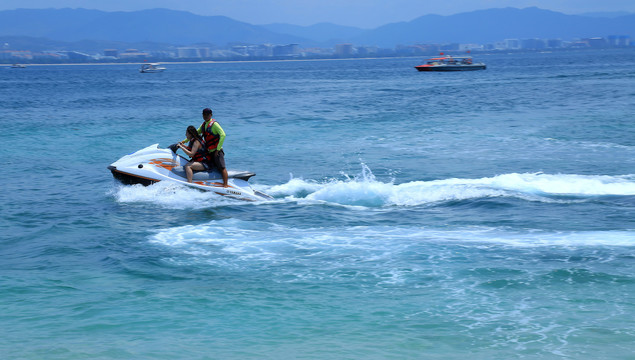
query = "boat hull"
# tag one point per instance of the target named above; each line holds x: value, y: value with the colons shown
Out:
x: 451, y: 67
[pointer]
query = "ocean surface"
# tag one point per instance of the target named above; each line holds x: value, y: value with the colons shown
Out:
x: 482, y: 215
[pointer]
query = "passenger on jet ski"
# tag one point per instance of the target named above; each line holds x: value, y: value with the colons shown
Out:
x: 213, y: 137
x: 196, y: 150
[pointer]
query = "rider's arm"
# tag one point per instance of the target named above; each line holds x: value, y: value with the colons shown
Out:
x: 217, y: 130
x: 187, y: 151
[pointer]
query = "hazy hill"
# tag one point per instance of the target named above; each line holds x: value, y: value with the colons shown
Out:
x: 486, y: 26
x: 606, y: 14
x: 156, y: 25
x: 183, y: 28
x: 325, y: 34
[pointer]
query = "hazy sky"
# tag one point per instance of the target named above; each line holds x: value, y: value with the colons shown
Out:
x: 360, y: 13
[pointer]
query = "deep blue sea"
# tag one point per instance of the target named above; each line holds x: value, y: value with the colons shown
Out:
x: 482, y: 215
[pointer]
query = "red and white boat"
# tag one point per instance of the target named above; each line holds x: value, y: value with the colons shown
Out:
x: 451, y: 63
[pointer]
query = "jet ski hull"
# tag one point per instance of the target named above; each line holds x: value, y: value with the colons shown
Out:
x: 130, y: 179
x: 153, y: 164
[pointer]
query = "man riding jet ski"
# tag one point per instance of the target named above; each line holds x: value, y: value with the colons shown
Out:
x: 210, y: 136
x: 153, y: 164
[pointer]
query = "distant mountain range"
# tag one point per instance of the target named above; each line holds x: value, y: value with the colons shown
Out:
x: 157, y: 25
x: 488, y: 26
x: 179, y: 28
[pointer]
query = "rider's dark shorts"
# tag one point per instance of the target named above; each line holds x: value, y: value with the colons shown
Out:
x: 218, y: 161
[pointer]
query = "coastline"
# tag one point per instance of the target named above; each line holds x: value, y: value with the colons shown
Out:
x: 206, y: 61
x: 418, y: 56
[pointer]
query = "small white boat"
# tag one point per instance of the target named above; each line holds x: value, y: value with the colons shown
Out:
x: 151, y: 68
x: 18, y: 66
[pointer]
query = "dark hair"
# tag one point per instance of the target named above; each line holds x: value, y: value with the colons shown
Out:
x: 207, y: 111
x: 193, y: 132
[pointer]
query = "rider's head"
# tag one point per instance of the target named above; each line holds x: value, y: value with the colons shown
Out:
x: 207, y: 113
x: 191, y: 133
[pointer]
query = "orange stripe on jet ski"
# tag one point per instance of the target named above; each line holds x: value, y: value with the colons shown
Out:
x: 216, y: 184
x: 165, y: 163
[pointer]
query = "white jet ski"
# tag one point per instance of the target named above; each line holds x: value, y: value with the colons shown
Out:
x: 153, y: 164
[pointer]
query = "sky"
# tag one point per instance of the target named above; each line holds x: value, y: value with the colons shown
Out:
x: 365, y: 14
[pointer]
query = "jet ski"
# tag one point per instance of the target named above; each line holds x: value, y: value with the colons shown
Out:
x: 153, y: 164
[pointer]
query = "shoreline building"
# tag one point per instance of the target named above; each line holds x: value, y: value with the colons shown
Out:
x: 344, y: 49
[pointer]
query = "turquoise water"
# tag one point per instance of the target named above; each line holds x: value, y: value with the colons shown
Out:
x: 486, y: 214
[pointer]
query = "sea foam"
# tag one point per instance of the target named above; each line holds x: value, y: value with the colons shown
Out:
x: 168, y: 195
x: 249, y: 240
x: 366, y: 191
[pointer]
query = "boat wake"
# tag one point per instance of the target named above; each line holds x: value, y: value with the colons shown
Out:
x: 233, y: 242
x: 364, y: 190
